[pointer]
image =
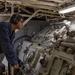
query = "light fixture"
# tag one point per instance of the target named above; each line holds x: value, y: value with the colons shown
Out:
x: 67, y: 22
x: 67, y: 10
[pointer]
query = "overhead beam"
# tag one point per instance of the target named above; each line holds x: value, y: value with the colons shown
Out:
x: 59, y: 1
x: 39, y: 6
x: 41, y: 3
x: 14, y: 2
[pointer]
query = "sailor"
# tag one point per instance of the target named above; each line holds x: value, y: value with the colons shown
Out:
x: 7, y: 34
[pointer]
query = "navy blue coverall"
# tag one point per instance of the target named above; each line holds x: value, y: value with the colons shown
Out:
x: 6, y: 46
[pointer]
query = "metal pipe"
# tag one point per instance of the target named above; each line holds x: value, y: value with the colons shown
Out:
x: 12, y: 8
x: 41, y: 3
x: 12, y: 71
x: 25, y: 15
x: 26, y: 21
x: 14, y: 2
x: 70, y: 40
x: 32, y: 16
x: 9, y: 69
x: 10, y: 15
x: 39, y: 6
x: 72, y: 45
x: 5, y: 6
x: 25, y: 10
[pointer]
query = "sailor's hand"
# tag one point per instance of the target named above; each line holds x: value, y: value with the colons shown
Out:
x: 16, y: 66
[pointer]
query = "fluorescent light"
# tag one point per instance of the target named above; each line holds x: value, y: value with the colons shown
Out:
x: 70, y: 9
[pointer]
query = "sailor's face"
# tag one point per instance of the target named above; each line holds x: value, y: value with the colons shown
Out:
x: 20, y: 24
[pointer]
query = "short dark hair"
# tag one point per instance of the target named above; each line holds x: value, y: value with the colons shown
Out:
x: 15, y: 18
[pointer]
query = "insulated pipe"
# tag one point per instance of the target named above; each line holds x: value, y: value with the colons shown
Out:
x: 5, y: 6
x: 26, y: 21
x: 72, y: 45
x: 12, y: 8
x: 70, y: 40
x: 14, y: 2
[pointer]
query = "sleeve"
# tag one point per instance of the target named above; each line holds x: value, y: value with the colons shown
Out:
x: 7, y: 46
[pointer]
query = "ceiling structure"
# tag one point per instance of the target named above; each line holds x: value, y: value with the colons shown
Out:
x: 40, y: 9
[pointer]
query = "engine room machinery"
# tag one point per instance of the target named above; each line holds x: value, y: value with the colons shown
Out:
x: 50, y: 52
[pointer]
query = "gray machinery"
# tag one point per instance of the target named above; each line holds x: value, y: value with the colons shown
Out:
x: 50, y: 52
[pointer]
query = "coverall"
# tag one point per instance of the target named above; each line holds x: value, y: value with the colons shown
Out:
x: 6, y: 46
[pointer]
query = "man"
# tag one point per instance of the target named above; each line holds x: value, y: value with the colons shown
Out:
x: 7, y: 33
